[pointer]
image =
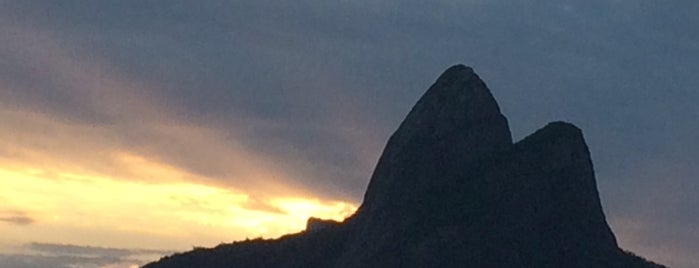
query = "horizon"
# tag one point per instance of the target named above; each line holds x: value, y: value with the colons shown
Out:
x: 131, y: 130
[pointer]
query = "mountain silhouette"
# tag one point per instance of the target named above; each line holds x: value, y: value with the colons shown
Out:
x: 451, y: 189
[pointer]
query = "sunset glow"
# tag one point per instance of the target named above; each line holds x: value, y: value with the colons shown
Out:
x: 132, y: 130
x: 106, y: 211
x: 126, y: 170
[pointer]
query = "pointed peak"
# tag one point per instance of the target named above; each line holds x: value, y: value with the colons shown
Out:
x: 456, y: 122
x: 453, y: 105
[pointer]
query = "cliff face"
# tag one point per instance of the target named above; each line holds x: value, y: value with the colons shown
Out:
x: 452, y: 190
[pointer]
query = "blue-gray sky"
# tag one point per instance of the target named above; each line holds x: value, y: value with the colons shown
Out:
x: 314, y: 88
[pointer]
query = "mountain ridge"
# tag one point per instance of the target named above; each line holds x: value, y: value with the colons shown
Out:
x: 451, y: 189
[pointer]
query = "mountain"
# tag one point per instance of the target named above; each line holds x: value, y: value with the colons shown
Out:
x: 451, y: 189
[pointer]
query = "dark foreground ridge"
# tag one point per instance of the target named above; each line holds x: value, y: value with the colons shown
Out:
x: 451, y: 189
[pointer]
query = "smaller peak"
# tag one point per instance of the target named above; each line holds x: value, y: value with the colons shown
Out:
x: 555, y: 131
x: 455, y: 72
x: 562, y: 128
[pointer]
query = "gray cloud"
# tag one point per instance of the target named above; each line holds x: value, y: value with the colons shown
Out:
x: 37, y: 261
x: 75, y: 250
x: 16, y: 218
x: 317, y: 87
x: 47, y: 255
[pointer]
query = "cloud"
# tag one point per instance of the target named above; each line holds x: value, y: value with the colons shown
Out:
x: 308, y: 96
x: 75, y: 250
x: 37, y: 261
x: 47, y: 255
x: 16, y: 218
x: 118, y: 115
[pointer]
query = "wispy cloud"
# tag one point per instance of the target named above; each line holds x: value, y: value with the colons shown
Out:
x: 38, y: 261
x: 75, y: 250
x: 16, y: 218
x: 47, y: 255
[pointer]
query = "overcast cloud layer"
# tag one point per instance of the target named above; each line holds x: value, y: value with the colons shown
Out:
x: 314, y: 88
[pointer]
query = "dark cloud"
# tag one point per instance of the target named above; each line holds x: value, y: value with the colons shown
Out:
x: 317, y: 87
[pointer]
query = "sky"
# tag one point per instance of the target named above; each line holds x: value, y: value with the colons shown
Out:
x: 130, y: 129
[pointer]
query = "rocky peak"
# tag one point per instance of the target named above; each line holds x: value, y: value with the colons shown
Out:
x: 562, y: 176
x: 455, y: 122
x: 416, y: 184
x: 456, y: 102
x: 452, y: 190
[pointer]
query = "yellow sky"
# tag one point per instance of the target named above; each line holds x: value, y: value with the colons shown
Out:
x: 89, y: 209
